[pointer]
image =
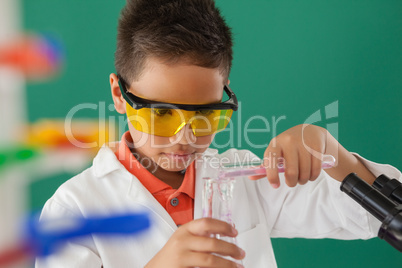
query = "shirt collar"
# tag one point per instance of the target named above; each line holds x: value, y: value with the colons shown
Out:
x: 188, y: 184
x: 152, y: 183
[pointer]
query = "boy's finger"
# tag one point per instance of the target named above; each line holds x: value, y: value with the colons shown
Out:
x: 214, y: 245
x: 291, y: 162
x: 271, y: 157
x: 200, y: 259
x: 304, y: 167
x: 209, y: 226
x: 316, y: 166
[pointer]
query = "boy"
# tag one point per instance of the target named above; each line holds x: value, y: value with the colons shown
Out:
x: 173, y: 61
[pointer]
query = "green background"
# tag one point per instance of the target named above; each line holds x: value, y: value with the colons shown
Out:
x: 291, y: 58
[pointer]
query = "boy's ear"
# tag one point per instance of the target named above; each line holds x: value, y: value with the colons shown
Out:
x: 119, y: 102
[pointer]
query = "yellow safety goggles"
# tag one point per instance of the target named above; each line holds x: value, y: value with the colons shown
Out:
x: 167, y: 119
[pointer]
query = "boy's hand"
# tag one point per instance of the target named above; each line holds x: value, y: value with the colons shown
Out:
x: 192, y: 246
x: 301, y: 149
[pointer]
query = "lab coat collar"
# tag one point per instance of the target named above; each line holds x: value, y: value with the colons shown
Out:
x: 105, y: 161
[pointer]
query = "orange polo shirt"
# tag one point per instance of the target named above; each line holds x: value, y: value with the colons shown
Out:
x: 179, y: 203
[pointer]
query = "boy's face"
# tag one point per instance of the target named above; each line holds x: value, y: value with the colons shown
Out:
x: 181, y: 84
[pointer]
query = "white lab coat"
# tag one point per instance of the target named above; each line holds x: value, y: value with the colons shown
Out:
x: 316, y: 210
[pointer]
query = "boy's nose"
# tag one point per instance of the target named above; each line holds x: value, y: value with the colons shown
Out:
x: 184, y: 136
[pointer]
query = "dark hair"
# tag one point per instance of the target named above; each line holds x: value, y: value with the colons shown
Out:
x: 191, y: 31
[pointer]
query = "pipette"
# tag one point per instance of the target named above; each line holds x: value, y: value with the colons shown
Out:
x: 257, y: 168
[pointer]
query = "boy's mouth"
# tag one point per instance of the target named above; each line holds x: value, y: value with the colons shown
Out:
x: 181, y: 156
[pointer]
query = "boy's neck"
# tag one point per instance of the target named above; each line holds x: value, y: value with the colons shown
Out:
x: 173, y: 179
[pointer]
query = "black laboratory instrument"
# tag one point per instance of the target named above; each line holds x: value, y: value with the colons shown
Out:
x: 383, y: 200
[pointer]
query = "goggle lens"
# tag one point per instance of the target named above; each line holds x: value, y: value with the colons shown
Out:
x: 167, y: 122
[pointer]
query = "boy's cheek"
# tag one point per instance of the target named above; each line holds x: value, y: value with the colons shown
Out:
x: 203, y: 142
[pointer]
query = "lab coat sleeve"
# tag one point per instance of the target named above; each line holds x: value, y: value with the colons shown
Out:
x: 320, y: 209
x: 77, y: 253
